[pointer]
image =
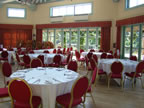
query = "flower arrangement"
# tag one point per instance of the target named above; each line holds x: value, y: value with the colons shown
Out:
x: 48, y: 44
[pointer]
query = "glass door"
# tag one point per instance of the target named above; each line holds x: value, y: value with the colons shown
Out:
x: 66, y: 38
x: 74, y: 39
x: 83, y: 37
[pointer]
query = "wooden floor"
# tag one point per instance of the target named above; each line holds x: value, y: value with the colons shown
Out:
x: 113, y: 97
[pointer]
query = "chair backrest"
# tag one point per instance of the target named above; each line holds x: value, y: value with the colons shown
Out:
x: 57, y: 59
x: 17, y: 57
x: 54, y: 51
x: 140, y: 67
x: 103, y: 55
x: 92, y: 50
x: 31, y: 52
x: 1, y: 49
x: 4, y: 54
x: 110, y: 51
x: 81, y: 50
x: 87, y: 62
x: 117, y: 67
x: 77, y: 54
x: 101, y: 50
x: 26, y: 59
x: 59, y: 51
x: 71, y: 48
x: 134, y: 58
x: 72, y: 65
x: 68, y: 49
x: 93, y: 78
x: 6, y: 69
x: 46, y: 51
x: 110, y: 56
x: 36, y: 62
x: 20, y: 91
x: 92, y: 64
x: 64, y: 50
x: 95, y: 58
x: 41, y: 57
x: 89, y: 55
x: 79, y: 89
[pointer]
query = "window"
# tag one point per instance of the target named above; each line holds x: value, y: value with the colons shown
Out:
x: 16, y: 12
x: 133, y: 3
x: 77, y: 9
x: 133, y: 41
x: 79, y: 38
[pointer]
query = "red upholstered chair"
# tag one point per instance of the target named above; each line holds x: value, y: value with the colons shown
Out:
x: 81, y: 50
x: 59, y: 51
x: 19, y: 62
x: 101, y: 50
x: 88, y: 67
x: 92, y: 82
x: 56, y: 61
x: 68, y: 50
x: 103, y: 55
x: 21, y: 95
x: 66, y: 61
x: 134, y: 58
x: 116, y: 72
x: 54, y: 51
x: 7, y: 71
x: 46, y: 51
x: 26, y: 60
x: 64, y: 51
x: 31, y: 52
x: 4, y: 56
x: 110, y: 51
x: 95, y: 58
x: 3, y: 94
x: 110, y: 56
x: 137, y: 74
x: 89, y: 55
x: 78, y: 57
x: 71, y: 48
x: 41, y: 57
x: 92, y: 50
x: 36, y: 62
x: 1, y: 49
x: 74, y: 98
x: 72, y: 65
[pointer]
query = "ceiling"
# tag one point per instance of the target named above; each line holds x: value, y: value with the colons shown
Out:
x: 27, y: 2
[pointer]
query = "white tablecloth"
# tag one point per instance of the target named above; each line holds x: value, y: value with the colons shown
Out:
x: 23, y: 49
x: 48, y: 82
x: 129, y: 65
x: 48, y: 58
x: 10, y: 55
x: 42, y: 50
x: 96, y: 53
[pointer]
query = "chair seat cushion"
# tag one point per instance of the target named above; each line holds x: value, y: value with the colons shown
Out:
x: 21, y: 63
x: 65, y: 100
x: 6, y: 59
x: 101, y: 72
x: 54, y: 65
x: 4, y: 92
x: 81, y: 59
x: 27, y: 65
x: 116, y: 75
x: 36, y: 101
x: 132, y: 74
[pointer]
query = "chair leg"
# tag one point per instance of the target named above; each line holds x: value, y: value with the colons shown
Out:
x: 132, y: 82
x: 122, y: 83
x: 108, y: 81
x: 141, y: 82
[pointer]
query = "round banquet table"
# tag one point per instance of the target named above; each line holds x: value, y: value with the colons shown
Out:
x: 48, y: 58
x: 48, y: 83
x: 129, y: 65
x: 96, y: 53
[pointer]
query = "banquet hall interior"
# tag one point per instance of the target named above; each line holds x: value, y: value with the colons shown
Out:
x: 51, y: 46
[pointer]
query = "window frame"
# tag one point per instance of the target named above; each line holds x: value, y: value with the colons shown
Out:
x: 127, y: 5
x: 51, y: 9
x: 25, y: 12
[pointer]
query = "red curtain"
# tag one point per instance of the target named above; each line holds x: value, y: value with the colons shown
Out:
x: 118, y: 40
x: 105, y: 38
x: 39, y: 35
x: 10, y: 34
x: 11, y: 37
